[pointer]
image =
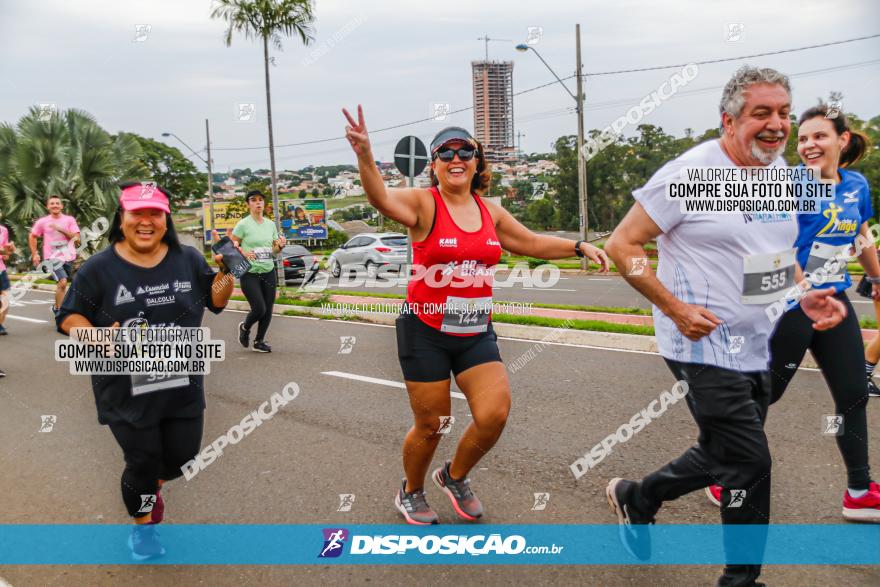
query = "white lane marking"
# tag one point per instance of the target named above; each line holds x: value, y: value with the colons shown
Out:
x: 26, y: 319
x: 366, y: 379
x: 599, y: 278
x: 862, y: 302
x: 546, y: 289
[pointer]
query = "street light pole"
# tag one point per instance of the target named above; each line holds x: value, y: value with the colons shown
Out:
x: 210, y: 178
x: 582, y: 164
x: 207, y: 163
x: 579, y: 109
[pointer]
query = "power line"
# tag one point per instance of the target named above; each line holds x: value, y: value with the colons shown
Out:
x: 596, y: 74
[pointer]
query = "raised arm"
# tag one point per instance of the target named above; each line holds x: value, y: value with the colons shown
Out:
x: 400, y: 204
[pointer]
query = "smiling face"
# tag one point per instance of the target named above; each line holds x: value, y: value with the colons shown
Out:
x: 54, y: 206
x: 757, y: 136
x: 820, y: 146
x: 456, y: 174
x: 144, y: 229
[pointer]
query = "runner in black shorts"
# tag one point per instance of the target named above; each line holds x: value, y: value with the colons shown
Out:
x: 457, y: 238
x: 147, y: 278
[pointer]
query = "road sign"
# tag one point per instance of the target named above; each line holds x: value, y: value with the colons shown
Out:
x: 410, y: 156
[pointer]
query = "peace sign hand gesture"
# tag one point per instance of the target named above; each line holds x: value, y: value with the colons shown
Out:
x: 356, y: 133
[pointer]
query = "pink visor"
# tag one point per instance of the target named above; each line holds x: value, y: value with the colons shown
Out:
x: 144, y: 195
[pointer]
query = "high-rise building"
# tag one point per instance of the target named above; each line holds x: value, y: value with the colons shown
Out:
x: 493, y: 108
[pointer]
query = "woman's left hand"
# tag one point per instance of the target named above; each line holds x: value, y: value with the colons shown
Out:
x: 596, y: 255
x: 875, y: 291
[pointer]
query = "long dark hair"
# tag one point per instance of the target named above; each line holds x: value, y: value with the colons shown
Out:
x: 858, y: 144
x: 116, y: 236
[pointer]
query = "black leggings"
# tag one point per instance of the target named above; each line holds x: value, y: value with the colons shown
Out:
x: 840, y: 354
x: 259, y: 289
x: 155, y: 453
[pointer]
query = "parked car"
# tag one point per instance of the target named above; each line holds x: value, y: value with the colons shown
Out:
x: 371, y: 252
x: 298, y: 262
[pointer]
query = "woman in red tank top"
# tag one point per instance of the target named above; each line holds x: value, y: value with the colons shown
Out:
x: 446, y: 325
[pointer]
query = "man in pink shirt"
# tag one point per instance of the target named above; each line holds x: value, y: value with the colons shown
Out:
x: 60, y: 235
x: 7, y: 248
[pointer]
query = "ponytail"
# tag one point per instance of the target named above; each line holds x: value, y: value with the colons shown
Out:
x: 855, y: 149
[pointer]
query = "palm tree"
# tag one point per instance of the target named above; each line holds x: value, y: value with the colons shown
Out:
x: 67, y: 154
x: 267, y: 20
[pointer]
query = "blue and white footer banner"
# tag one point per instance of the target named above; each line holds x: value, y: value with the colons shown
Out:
x: 480, y: 544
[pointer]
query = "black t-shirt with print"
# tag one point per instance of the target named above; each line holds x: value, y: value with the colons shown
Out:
x: 109, y: 289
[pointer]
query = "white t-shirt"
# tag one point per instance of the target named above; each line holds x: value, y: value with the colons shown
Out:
x: 701, y: 262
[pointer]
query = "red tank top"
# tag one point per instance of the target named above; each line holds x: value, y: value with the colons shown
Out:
x: 451, y: 285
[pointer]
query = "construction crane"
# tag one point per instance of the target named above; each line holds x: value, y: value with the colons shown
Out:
x: 486, y: 38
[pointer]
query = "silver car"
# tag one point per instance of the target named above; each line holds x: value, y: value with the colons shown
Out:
x: 372, y: 252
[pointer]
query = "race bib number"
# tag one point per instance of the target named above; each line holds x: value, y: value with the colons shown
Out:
x: 58, y: 245
x: 820, y: 255
x: 466, y: 315
x: 263, y: 253
x: 150, y: 382
x: 766, y: 278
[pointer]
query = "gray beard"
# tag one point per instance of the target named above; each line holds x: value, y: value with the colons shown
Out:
x: 766, y: 157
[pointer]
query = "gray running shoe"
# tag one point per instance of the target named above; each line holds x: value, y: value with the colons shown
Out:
x: 465, y: 503
x: 414, y: 507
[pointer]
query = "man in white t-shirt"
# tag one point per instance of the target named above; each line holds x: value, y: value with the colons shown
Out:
x: 709, y: 294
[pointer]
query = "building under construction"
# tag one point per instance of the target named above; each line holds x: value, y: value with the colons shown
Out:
x: 493, y: 108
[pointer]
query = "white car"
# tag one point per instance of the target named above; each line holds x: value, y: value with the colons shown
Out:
x: 371, y: 252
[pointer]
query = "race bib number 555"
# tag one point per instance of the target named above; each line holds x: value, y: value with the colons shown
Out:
x: 767, y: 277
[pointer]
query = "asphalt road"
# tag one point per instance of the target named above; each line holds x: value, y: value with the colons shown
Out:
x: 571, y: 289
x: 342, y: 435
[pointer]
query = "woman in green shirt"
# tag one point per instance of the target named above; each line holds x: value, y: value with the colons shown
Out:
x: 259, y: 240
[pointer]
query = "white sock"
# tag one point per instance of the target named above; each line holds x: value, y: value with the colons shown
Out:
x: 856, y: 493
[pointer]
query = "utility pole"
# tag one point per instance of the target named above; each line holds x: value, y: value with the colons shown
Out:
x: 210, y: 176
x: 582, y: 163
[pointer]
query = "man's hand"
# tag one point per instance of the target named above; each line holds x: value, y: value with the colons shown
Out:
x: 35, y: 258
x: 823, y: 308
x: 693, y: 321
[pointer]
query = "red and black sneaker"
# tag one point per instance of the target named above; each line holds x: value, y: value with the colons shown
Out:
x: 865, y: 508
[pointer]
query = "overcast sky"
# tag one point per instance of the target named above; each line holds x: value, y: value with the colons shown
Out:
x: 399, y: 57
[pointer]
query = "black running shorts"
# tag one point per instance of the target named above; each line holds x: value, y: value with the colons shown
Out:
x: 426, y: 354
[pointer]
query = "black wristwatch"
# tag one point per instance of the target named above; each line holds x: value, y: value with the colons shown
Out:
x: 577, y: 249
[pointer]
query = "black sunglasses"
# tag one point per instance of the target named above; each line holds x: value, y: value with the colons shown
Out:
x: 447, y: 154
